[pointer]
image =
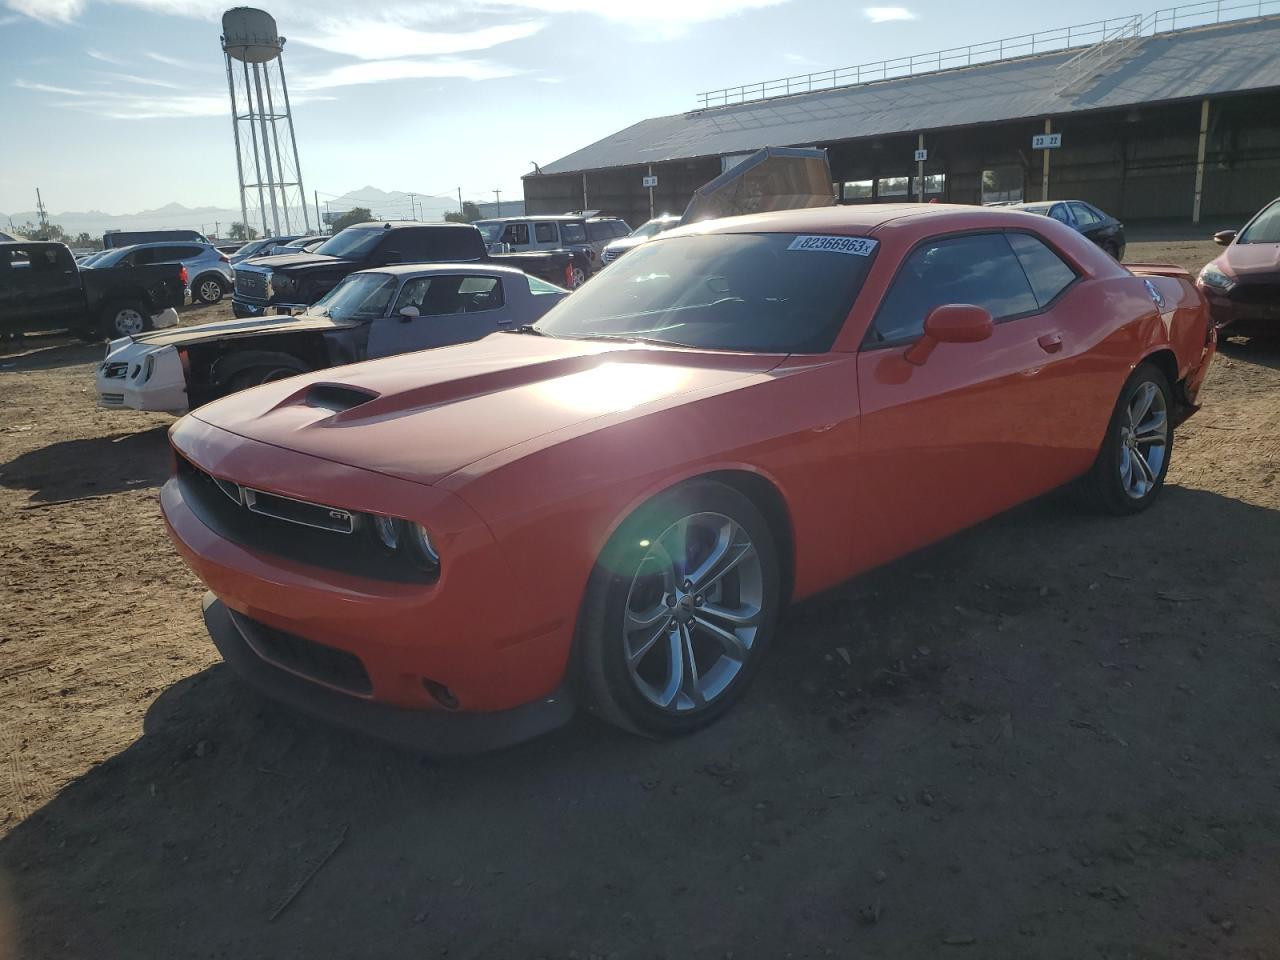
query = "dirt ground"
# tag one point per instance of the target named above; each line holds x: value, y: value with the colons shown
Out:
x: 1054, y: 736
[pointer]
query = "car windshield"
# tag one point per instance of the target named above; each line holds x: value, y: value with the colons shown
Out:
x: 92, y: 258
x: 491, y: 231
x: 652, y: 228
x: 361, y: 296
x: 1042, y: 210
x: 760, y: 293
x: 351, y: 243
x: 1265, y: 227
x: 253, y: 246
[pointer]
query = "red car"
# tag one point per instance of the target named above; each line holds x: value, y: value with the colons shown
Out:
x: 1243, y: 284
x: 612, y: 506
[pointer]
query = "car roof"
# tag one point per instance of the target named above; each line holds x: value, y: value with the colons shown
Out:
x: 157, y: 243
x: 460, y: 266
x: 863, y: 219
x: 404, y: 224
x: 548, y: 216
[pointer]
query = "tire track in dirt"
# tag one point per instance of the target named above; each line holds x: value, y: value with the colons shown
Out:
x: 18, y: 781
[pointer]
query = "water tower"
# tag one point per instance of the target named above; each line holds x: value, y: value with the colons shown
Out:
x: 271, y: 192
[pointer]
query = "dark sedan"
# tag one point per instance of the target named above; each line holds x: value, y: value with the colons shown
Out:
x: 1243, y: 284
x: 1103, y: 229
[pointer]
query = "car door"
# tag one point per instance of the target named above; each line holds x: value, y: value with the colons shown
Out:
x: 47, y: 286
x: 977, y: 427
x: 545, y: 235
x: 452, y: 308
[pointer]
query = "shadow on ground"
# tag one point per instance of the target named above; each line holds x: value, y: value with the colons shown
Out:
x: 47, y: 352
x: 1263, y: 351
x: 1052, y: 736
x: 93, y: 467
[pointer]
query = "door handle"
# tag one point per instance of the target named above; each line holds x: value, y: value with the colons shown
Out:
x: 1050, y: 342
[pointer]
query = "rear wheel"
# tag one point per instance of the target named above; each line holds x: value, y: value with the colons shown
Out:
x: 577, y: 277
x: 679, y: 611
x: 1130, y: 469
x: 209, y: 289
x: 124, y: 318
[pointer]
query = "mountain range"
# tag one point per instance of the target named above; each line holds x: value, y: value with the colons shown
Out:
x: 389, y: 204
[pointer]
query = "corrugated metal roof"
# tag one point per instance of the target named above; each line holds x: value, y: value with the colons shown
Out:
x: 1230, y: 58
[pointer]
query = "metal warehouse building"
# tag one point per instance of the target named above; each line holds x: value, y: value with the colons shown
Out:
x: 1175, y: 115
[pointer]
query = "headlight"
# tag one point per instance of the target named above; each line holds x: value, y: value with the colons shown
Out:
x: 1211, y: 276
x: 407, y: 538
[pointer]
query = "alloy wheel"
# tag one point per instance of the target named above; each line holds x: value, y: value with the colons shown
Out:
x: 692, y: 612
x: 1144, y: 439
x: 210, y: 291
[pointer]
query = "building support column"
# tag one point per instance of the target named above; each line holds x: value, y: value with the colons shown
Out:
x: 584, y: 191
x: 920, y: 172
x: 1200, y: 153
x: 651, y: 194
x: 1044, y: 183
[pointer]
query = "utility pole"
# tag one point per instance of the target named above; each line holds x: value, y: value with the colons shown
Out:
x: 44, y: 217
x: 413, y: 207
x: 319, y: 223
x: 217, y: 228
x: 497, y: 196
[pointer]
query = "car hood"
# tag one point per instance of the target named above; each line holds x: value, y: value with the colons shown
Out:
x: 423, y: 416
x: 289, y: 261
x: 222, y: 329
x: 627, y: 243
x: 1245, y: 259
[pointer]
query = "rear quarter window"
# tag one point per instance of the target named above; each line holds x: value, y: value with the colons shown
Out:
x: 1047, y: 273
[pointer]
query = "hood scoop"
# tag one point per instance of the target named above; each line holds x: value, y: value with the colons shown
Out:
x: 336, y: 397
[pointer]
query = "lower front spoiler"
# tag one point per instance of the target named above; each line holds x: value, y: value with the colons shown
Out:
x: 435, y: 733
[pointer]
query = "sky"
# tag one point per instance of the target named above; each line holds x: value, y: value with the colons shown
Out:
x: 121, y: 105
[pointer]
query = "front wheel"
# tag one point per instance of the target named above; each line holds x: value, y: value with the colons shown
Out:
x: 679, y: 611
x: 1130, y: 469
x: 577, y: 277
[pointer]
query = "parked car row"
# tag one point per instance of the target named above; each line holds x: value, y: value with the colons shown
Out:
x: 611, y: 506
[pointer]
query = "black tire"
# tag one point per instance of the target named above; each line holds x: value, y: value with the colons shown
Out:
x: 1112, y: 249
x: 123, y: 318
x: 256, y: 376
x: 609, y: 687
x: 209, y: 289
x: 1104, y: 487
x: 578, y: 277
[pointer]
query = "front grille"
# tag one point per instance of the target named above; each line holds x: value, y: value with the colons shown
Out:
x: 112, y: 397
x: 610, y: 255
x: 1266, y: 293
x: 251, y: 285
x: 115, y: 370
x: 307, y: 658
x: 224, y: 507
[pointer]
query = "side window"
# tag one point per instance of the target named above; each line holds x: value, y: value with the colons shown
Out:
x: 411, y: 294
x: 1059, y: 212
x: 980, y: 269
x: 1045, y: 270
x: 620, y: 229
x: 191, y: 252
x: 572, y: 233
x: 45, y: 258
x: 516, y: 234
x: 1085, y: 215
x: 544, y: 232
x: 480, y: 293
x: 598, y: 231
x: 537, y: 286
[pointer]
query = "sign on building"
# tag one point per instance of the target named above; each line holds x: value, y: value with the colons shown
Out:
x: 922, y: 156
x: 649, y: 182
x: 1046, y: 141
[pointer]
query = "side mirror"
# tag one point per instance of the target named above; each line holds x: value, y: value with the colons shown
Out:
x: 408, y: 313
x: 950, y: 323
x: 1223, y: 238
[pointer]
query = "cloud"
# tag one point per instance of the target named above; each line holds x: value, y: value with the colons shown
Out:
x: 47, y: 88
x: 887, y: 14
x: 646, y: 12
x: 174, y: 61
x: 104, y: 57
x: 387, y: 39
x: 48, y: 11
x: 381, y: 71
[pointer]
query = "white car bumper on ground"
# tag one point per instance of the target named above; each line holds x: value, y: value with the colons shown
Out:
x: 141, y: 377
x: 168, y: 317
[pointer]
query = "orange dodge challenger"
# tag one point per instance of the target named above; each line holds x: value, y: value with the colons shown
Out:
x: 454, y: 548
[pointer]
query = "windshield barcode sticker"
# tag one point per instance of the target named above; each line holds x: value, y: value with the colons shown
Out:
x: 855, y: 246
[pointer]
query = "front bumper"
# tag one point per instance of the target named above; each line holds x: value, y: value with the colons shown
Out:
x: 1241, y: 318
x: 243, y: 308
x: 122, y: 381
x: 409, y: 639
x: 433, y: 732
